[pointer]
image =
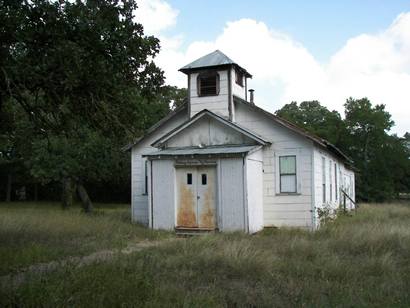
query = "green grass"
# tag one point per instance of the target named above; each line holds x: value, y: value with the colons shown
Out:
x: 41, y: 232
x: 360, y: 261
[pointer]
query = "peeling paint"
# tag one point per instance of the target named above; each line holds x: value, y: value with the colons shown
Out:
x: 196, y: 206
x: 186, y: 208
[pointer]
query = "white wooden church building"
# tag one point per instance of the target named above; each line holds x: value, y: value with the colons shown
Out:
x: 220, y: 162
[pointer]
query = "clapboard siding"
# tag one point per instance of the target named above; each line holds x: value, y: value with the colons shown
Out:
x: 345, y: 181
x: 254, y: 189
x: 217, y: 104
x: 281, y: 210
x: 208, y: 132
x: 163, y: 194
x: 231, y: 194
x: 237, y: 90
x: 139, y: 201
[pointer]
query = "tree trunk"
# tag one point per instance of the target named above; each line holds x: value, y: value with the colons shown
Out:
x: 85, y: 199
x: 8, y: 189
x: 67, y: 195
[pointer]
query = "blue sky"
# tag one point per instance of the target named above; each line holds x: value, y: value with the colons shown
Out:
x: 296, y: 50
x: 322, y: 26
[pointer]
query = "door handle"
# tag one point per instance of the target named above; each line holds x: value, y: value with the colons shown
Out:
x: 198, y: 197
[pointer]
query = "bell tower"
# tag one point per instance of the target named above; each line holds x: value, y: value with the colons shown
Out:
x: 213, y: 81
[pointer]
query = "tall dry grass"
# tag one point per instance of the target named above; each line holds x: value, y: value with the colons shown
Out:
x: 357, y: 261
x: 42, y: 232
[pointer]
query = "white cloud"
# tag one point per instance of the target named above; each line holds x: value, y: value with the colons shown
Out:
x: 376, y: 66
x: 155, y: 16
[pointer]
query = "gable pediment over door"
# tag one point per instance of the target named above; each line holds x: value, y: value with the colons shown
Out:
x: 208, y: 129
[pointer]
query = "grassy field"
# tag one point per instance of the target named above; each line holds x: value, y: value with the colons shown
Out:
x: 31, y: 233
x: 360, y: 260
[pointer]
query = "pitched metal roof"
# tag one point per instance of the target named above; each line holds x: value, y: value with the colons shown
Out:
x: 214, y: 150
x: 159, y: 142
x: 214, y: 59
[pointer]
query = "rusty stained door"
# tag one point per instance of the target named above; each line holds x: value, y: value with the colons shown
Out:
x: 196, y: 197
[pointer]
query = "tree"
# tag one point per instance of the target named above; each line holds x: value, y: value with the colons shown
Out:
x: 315, y: 118
x: 382, y: 160
x: 371, y: 147
x: 83, y: 74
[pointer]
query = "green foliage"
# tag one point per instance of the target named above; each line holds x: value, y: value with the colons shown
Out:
x: 357, y: 261
x: 316, y: 119
x: 380, y: 157
x: 88, y: 155
x: 382, y: 160
x: 78, y: 61
x: 77, y: 82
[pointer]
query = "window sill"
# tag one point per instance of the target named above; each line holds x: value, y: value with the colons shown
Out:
x: 288, y: 194
x: 204, y: 95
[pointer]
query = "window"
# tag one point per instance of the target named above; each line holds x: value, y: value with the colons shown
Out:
x: 208, y: 84
x: 330, y: 181
x: 324, y: 179
x: 189, y: 178
x: 287, y: 169
x: 239, y: 78
x: 203, y: 178
x: 336, y: 182
x: 146, y: 177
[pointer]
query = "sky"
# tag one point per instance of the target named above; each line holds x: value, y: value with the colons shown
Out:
x: 295, y: 50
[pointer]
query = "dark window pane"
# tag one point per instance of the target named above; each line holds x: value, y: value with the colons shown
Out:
x: 204, y: 179
x: 239, y: 78
x: 208, y: 84
x: 146, y: 177
x: 189, y: 179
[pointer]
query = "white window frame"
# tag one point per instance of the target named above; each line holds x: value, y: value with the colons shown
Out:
x: 278, y: 154
x: 336, y: 183
x: 324, y: 196
x: 145, y: 178
x: 330, y: 181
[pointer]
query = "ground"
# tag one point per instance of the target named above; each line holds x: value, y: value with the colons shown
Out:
x: 361, y: 259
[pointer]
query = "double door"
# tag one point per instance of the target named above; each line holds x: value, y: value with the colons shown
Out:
x: 196, y: 197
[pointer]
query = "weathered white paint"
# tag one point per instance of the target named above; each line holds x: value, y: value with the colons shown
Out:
x: 237, y: 90
x: 248, y: 188
x: 230, y: 203
x: 208, y: 132
x: 254, y: 189
x: 344, y: 182
x: 281, y: 209
x: 163, y: 195
x: 231, y: 194
x: 139, y: 200
x: 217, y: 103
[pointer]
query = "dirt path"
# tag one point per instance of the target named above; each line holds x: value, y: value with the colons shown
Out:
x: 14, y: 280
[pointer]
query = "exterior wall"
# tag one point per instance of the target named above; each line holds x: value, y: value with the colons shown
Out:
x: 139, y: 200
x: 207, y: 131
x: 348, y: 183
x: 231, y: 205
x: 163, y: 195
x: 281, y: 209
x: 342, y: 179
x: 254, y: 188
x: 237, y: 90
x: 217, y: 104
